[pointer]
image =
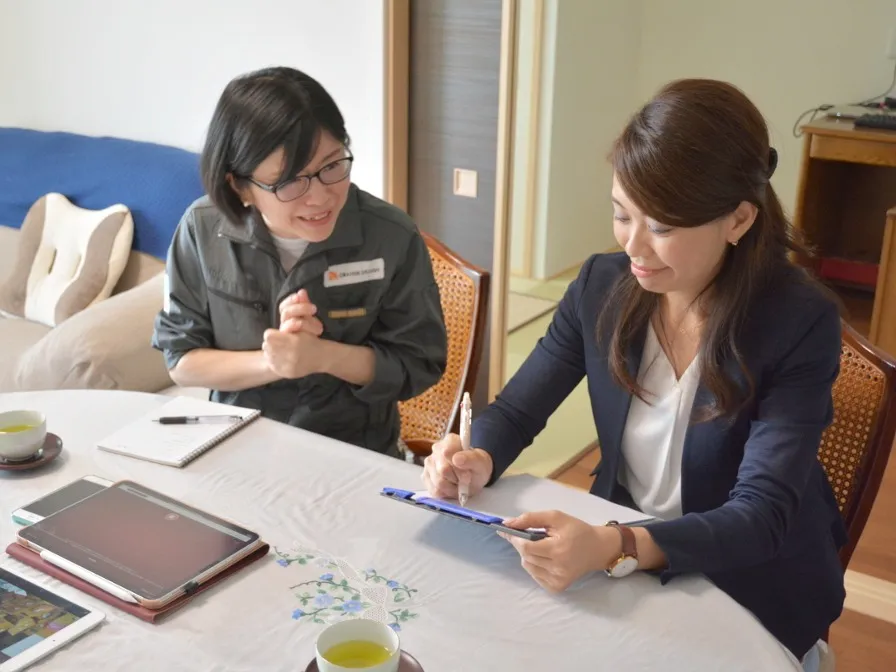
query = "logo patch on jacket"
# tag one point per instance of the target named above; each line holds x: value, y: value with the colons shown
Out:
x: 354, y: 272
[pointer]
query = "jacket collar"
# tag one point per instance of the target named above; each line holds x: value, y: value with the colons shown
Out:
x: 617, y: 398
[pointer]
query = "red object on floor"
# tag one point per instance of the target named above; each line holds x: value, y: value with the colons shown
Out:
x: 859, y: 273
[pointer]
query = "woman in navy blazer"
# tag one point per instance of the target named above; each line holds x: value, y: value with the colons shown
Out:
x: 705, y: 276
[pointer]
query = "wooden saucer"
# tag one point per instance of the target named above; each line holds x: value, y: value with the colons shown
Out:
x: 406, y: 663
x: 48, y: 452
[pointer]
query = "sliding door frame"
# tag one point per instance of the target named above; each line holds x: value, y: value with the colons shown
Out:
x: 397, y: 80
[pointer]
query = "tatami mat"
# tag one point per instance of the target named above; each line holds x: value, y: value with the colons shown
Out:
x: 522, y: 309
x: 569, y: 430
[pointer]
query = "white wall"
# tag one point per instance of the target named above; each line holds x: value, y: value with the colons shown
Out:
x: 594, y: 84
x: 154, y: 70
x: 588, y: 89
x: 607, y: 58
x: 786, y: 56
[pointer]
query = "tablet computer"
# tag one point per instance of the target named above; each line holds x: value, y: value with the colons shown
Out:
x: 422, y: 500
x: 57, y: 500
x: 35, y: 621
x: 138, y: 544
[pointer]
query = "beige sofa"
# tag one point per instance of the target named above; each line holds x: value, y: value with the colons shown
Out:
x: 105, y: 346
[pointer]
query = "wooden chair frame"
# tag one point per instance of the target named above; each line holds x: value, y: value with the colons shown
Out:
x: 420, y: 446
x: 870, y: 470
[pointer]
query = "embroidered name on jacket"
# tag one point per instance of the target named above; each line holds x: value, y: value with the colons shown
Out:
x: 354, y: 272
x: 345, y: 314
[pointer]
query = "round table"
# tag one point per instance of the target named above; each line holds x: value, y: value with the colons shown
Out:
x: 455, y: 592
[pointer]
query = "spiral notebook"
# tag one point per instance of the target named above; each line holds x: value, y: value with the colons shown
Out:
x: 176, y: 445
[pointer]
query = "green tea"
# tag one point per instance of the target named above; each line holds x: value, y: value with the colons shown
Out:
x: 16, y: 428
x: 357, y: 653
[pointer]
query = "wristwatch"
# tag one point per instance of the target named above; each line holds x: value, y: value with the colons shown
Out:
x: 627, y: 562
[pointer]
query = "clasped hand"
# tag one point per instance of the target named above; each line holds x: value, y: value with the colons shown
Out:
x: 292, y: 350
x: 572, y: 549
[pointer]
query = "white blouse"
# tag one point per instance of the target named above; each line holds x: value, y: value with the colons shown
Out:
x: 653, y: 440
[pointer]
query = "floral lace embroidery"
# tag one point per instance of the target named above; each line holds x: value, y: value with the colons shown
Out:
x: 341, y: 591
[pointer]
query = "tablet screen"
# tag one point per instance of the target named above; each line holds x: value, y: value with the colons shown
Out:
x: 139, y: 539
x: 29, y: 615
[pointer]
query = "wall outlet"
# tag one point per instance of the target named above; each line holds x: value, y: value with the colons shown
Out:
x: 465, y: 182
x: 891, y: 45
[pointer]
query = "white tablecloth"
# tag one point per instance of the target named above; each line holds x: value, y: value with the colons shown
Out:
x: 457, y: 593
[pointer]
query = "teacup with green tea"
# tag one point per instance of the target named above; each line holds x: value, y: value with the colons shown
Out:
x: 22, y: 434
x: 358, y: 644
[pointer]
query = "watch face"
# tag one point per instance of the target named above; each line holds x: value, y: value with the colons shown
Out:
x: 623, y: 568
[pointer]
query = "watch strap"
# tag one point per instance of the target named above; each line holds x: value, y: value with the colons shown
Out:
x: 629, y: 545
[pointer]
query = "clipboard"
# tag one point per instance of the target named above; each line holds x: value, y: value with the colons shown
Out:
x: 453, y: 510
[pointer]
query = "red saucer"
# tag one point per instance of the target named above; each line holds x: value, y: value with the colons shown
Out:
x: 49, y: 452
x: 407, y: 663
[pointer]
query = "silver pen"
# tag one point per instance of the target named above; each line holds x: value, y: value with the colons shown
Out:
x: 466, y: 420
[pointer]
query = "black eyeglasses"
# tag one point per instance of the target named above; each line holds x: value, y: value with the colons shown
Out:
x: 333, y: 172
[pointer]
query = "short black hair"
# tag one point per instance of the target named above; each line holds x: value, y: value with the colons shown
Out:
x: 256, y: 114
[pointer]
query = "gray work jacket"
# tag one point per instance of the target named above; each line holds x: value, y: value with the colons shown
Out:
x: 225, y: 283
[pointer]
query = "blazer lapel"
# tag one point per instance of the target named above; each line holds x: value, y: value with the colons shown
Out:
x: 703, y: 437
x: 616, y: 400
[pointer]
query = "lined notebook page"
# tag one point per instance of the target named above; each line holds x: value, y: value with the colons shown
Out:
x: 176, y: 445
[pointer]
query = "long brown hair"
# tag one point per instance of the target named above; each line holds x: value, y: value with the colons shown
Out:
x: 690, y: 156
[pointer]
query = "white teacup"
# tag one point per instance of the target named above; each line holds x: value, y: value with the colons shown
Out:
x: 355, y: 630
x: 17, y: 444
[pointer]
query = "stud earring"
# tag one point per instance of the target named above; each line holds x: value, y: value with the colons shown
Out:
x: 734, y: 243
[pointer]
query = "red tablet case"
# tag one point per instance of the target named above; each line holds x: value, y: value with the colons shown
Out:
x: 33, y: 559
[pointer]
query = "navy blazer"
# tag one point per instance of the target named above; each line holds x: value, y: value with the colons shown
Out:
x: 759, y: 516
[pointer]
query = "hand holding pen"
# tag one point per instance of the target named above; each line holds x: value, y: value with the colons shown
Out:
x: 450, y: 465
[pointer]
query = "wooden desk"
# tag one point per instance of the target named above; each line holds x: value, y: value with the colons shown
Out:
x: 847, y: 186
x: 883, y: 321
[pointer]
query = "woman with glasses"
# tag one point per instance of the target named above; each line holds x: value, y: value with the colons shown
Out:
x: 291, y: 290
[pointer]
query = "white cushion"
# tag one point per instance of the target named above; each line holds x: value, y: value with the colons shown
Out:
x: 68, y: 259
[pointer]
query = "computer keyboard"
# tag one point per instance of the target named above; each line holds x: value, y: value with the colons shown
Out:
x: 883, y: 122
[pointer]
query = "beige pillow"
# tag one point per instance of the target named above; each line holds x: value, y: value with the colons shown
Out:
x: 105, y: 347
x: 68, y: 259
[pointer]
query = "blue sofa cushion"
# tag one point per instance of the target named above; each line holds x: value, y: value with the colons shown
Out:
x: 156, y: 182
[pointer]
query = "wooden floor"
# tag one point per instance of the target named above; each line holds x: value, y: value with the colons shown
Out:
x: 876, y: 552
x: 579, y: 474
x: 858, y: 305
x: 863, y: 644
x: 860, y: 643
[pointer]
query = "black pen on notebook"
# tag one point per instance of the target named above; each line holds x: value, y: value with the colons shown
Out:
x: 194, y: 419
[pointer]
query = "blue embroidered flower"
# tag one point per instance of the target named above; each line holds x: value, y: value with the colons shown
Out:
x: 352, y: 607
x: 323, y: 601
x: 326, y: 599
